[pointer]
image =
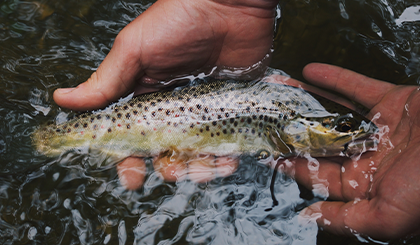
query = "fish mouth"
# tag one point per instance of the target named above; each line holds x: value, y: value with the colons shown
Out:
x: 360, y: 145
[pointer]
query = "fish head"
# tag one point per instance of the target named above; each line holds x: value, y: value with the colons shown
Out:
x: 332, y: 135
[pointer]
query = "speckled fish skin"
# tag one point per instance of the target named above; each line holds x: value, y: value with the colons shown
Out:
x: 215, y: 117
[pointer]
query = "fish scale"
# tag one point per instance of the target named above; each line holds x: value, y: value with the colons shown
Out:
x: 212, y: 117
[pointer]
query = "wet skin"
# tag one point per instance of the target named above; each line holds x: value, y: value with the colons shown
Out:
x: 377, y: 196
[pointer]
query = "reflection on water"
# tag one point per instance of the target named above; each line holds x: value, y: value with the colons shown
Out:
x: 48, y: 44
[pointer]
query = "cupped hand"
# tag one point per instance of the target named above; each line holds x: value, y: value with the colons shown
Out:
x: 378, y: 193
x: 177, y: 37
x: 172, y: 38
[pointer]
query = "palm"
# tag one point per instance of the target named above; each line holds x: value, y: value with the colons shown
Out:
x: 378, y: 193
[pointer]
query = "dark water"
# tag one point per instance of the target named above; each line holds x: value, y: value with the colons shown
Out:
x: 57, y: 43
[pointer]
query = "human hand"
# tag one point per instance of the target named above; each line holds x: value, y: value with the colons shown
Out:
x: 378, y: 194
x: 176, y: 37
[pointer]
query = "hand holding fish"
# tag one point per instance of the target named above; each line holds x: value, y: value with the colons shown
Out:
x: 173, y: 38
x: 378, y: 194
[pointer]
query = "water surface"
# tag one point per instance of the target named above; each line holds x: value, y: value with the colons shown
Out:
x: 57, y: 43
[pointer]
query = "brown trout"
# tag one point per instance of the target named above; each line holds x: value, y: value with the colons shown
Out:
x: 222, y: 118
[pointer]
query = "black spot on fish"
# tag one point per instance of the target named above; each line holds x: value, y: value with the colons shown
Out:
x: 146, y: 108
x: 190, y: 109
x: 128, y: 126
x: 206, y: 110
x: 212, y: 135
x: 160, y: 109
x: 192, y: 125
x: 254, y: 117
x: 203, y: 117
x: 98, y: 117
x: 198, y: 106
x: 131, y: 104
x: 143, y: 133
x: 235, y: 124
x: 222, y: 109
x: 201, y: 130
x: 292, y: 113
x: 249, y: 120
x: 240, y: 130
x: 285, y: 117
x: 95, y: 126
x: 214, y: 123
x: 224, y: 131
x: 153, y: 103
x: 219, y: 117
x: 113, y: 119
x: 260, y: 125
x: 226, y: 114
x: 253, y: 131
x: 207, y: 128
x: 153, y: 113
x: 139, y: 105
x: 116, y: 110
x: 232, y: 120
x: 125, y: 107
x: 107, y: 117
x: 261, y: 117
x: 168, y: 112
x: 218, y: 133
x: 181, y: 108
x: 85, y: 125
x: 275, y: 121
x: 232, y: 131
x: 58, y: 130
x: 224, y: 122
x: 92, y: 119
x: 135, y: 112
x: 119, y: 115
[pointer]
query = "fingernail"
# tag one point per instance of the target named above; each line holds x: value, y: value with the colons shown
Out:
x: 65, y: 90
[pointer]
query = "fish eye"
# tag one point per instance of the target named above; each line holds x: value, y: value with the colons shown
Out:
x: 345, y: 124
x: 344, y: 127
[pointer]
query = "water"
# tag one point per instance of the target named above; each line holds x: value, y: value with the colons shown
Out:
x: 51, y: 44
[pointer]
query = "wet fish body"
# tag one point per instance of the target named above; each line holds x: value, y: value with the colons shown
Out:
x: 213, y: 117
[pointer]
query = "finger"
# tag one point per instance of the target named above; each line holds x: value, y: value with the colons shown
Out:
x: 115, y: 76
x: 328, y: 178
x: 225, y: 166
x: 131, y: 172
x: 295, y: 83
x: 208, y: 167
x: 321, y: 176
x: 171, y: 166
x: 202, y: 169
x: 359, y: 88
x: 372, y: 218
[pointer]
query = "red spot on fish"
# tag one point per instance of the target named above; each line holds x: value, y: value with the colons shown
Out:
x: 169, y: 131
x: 139, y: 121
x: 176, y: 115
x: 102, y: 126
x: 119, y: 125
x: 81, y: 132
x: 154, y: 129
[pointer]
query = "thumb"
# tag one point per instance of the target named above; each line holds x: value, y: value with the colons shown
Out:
x: 115, y: 77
